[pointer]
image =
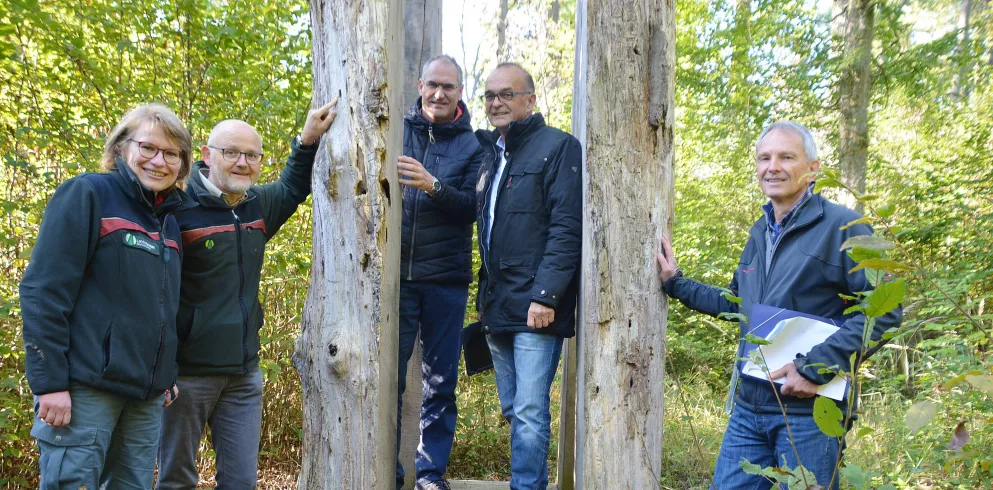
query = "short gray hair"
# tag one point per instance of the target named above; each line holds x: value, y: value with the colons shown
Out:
x: 809, y: 145
x: 528, y: 79
x: 446, y: 58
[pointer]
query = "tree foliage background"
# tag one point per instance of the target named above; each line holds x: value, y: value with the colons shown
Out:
x: 69, y: 70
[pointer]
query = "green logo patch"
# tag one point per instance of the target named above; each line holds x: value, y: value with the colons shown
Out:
x: 209, y: 244
x: 141, y: 242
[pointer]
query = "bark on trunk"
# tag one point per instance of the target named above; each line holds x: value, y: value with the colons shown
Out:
x: 627, y: 131
x: 346, y: 353
x: 854, y: 28
x: 422, y: 41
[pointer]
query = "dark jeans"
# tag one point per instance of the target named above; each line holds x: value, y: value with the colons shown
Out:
x: 439, y: 311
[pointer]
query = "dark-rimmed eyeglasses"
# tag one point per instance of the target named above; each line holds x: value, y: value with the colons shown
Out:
x: 149, y: 151
x: 488, y: 97
x: 232, y: 155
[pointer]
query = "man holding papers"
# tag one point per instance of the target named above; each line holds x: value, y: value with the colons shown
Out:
x: 792, y: 263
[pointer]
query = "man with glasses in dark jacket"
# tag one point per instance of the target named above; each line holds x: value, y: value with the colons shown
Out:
x: 793, y: 260
x: 438, y: 170
x: 220, y: 313
x: 530, y: 224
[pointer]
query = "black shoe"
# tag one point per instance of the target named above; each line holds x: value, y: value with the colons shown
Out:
x: 433, y: 485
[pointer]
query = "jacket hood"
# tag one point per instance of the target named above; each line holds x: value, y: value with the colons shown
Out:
x: 460, y: 124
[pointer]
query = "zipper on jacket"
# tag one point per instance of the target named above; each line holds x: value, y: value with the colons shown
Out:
x: 417, y: 200
x: 241, y: 294
x: 162, y: 312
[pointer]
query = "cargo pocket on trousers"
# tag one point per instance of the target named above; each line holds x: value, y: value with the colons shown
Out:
x: 68, y: 456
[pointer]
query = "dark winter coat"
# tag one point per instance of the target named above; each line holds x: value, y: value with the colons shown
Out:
x: 533, y: 251
x: 99, y: 298
x: 806, y: 273
x: 219, y: 312
x: 436, y: 241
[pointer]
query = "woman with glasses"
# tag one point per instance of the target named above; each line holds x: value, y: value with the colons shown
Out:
x: 99, y: 302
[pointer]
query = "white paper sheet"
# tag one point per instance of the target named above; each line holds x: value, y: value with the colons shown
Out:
x: 791, y: 337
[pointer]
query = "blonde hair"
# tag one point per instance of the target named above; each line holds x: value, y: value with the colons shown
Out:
x: 160, y: 117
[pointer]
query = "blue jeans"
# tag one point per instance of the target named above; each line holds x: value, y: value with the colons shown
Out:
x: 110, y: 440
x: 438, y: 310
x: 762, y: 439
x: 232, y: 406
x: 525, y: 365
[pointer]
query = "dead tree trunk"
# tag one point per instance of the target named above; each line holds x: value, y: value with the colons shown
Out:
x: 627, y: 131
x: 422, y: 41
x: 346, y: 353
x: 853, y: 29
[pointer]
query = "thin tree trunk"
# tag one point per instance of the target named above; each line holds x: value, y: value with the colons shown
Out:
x: 854, y: 28
x: 422, y: 41
x: 627, y: 131
x: 741, y: 67
x: 502, y: 32
x: 346, y: 353
x: 961, y: 86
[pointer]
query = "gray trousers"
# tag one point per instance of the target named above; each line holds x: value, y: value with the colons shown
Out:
x: 232, y: 406
x: 109, y: 443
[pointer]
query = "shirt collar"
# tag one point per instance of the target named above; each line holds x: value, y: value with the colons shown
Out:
x: 770, y: 213
x: 211, y: 188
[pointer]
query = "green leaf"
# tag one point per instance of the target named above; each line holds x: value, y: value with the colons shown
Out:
x: 733, y: 316
x: 828, y: 417
x: 920, y: 414
x: 891, y: 266
x: 865, y: 220
x: 826, y: 183
x: 860, y: 254
x: 984, y: 383
x: 886, y: 210
x: 756, y: 340
x: 886, y: 297
x: 728, y: 295
x: 856, y: 477
x: 872, y: 242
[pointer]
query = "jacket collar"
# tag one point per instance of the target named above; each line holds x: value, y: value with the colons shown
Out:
x: 809, y: 211
x: 174, y: 200
x: 203, y: 196
x: 517, y: 132
x: 461, y: 124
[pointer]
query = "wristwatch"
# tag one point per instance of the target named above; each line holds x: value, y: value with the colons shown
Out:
x: 301, y: 142
x: 435, y: 188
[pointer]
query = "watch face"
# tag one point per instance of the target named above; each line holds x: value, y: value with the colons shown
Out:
x: 436, y: 186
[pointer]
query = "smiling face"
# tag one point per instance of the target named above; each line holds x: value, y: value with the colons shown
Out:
x: 154, y: 173
x: 440, y: 92
x: 501, y: 113
x: 232, y: 178
x: 782, y: 167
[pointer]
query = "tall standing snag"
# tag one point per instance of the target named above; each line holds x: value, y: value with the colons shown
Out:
x: 623, y: 112
x: 347, y: 351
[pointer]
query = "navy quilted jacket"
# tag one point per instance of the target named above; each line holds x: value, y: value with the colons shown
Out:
x: 436, y: 243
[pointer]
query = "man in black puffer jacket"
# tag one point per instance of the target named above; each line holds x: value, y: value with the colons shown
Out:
x: 438, y: 171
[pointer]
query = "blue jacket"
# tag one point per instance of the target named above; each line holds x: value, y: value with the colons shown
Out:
x: 536, y: 239
x: 100, y: 295
x: 807, y: 272
x: 436, y: 239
